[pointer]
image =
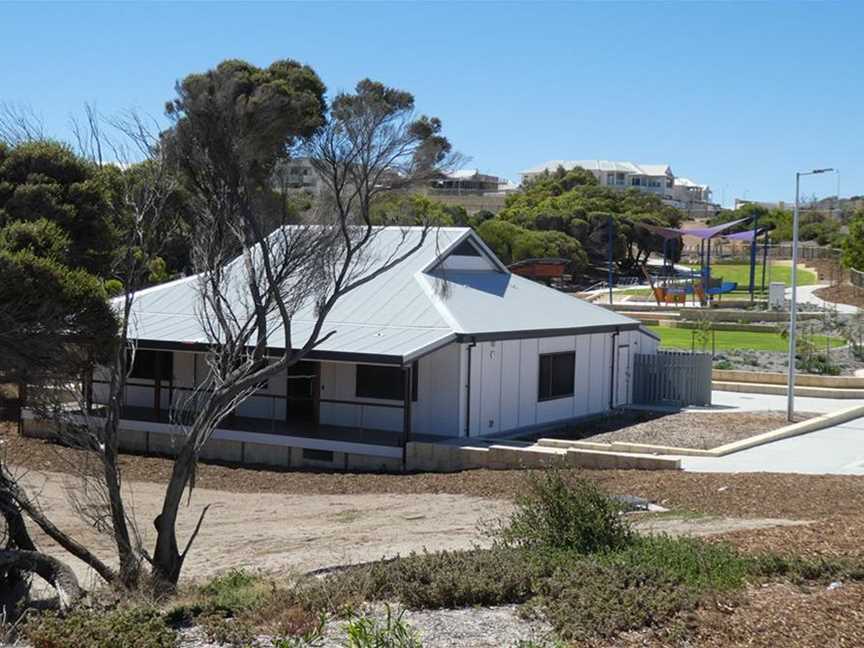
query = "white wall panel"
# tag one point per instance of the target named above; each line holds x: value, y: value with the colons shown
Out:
x: 511, y: 384
x: 436, y: 410
x: 583, y: 375
x: 489, y: 357
x: 529, y: 368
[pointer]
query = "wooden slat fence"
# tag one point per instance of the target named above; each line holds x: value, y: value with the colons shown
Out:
x: 672, y: 377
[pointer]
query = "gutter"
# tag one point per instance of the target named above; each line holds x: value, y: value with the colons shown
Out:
x: 612, y: 373
x: 468, y: 390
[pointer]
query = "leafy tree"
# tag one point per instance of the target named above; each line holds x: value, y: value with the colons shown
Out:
x: 583, y: 213
x: 55, y: 321
x: 560, y: 181
x: 416, y: 209
x: 45, y: 180
x: 853, y: 244
x: 245, y: 115
x: 42, y: 237
x: 513, y: 243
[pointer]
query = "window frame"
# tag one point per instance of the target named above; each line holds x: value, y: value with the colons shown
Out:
x: 415, y: 381
x: 166, y: 365
x: 549, y: 395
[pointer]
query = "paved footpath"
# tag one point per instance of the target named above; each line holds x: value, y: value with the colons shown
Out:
x: 805, y: 295
x: 836, y: 450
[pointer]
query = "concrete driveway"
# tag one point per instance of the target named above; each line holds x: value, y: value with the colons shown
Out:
x: 837, y: 450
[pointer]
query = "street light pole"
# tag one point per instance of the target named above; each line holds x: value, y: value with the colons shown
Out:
x: 793, y: 308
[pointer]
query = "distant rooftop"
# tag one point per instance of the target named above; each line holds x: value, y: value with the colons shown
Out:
x: 603, y: 165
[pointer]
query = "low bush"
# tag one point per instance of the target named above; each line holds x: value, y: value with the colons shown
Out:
x: 463, y: 578
x: 132, y: 627
x: 233, y: 592
x: 591, y: 599
x: 555, y: 513
x: 699, y: 565
x: 391, y: 632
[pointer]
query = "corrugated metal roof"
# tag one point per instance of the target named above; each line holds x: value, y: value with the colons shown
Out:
x: 407, y: 311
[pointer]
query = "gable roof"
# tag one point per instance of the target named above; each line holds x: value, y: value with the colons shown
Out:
x: 410, y: 310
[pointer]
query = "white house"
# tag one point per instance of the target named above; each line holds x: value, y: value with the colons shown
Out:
x: 447, y: 344
x: 677, y: 191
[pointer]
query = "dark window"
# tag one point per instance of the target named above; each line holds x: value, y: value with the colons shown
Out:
x: 317, y: 455
x: 557, y: 371
x: 466, y: 248
x: 147, y: 363
x: 376, y: 381
x: 300, y: 377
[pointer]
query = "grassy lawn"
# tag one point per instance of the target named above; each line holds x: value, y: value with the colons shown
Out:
x: 676, y: 338
x: 740, y: 274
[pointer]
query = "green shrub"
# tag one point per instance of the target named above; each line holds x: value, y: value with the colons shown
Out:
x: 699, y: 565
x: 392, y: 632
x: 575, y: 516
x: 591, y: 599
x: 233, y: 592
x: 799, y: 570
x: 138, y: 627
x: 463, y: 578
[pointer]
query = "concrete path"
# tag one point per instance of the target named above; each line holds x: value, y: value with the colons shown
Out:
x: 836, y: 450
x: 805, y: 296
x: 723, y: 401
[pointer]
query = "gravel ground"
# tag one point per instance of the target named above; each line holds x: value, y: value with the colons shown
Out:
x: 702, y: 430
x: 776, y: 361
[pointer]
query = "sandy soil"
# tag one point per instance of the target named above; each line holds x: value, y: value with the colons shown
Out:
x: 279, y: 533
x: 282, y: 533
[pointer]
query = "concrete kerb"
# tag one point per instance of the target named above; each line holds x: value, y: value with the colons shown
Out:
x: 775, y: 378
x: 781, y: 390
x: 648, y: 450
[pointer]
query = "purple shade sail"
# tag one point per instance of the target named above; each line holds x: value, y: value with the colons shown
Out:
x: 749, y: 235
x: 702, y: 233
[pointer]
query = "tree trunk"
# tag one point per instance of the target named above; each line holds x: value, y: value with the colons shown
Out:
x: 19, y: 556
x: 167, y: 559
x: 56, y: 573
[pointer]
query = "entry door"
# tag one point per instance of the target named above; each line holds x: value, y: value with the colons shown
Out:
x: 301, y: 392
x: 623, y: 373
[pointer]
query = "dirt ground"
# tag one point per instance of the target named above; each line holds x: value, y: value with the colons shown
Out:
x: 842, y: 294
x: 702, y: 430
x: 290, y: 521
x: 288, y: 533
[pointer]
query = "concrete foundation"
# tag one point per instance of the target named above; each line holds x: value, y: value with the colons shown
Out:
x: 450, y: 456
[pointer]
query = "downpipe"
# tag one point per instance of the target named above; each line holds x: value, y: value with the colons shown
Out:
x: 468, y: 390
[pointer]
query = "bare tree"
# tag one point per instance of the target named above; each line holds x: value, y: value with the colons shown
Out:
x: 139, y: 203
x: 259, y: 279
x: 20, y: 123
x: 372, y: 145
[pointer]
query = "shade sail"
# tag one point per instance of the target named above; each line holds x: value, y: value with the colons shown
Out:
x: 702, y: 233
x: 749, y: 235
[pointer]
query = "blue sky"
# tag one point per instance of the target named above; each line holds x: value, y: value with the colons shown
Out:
x: 736, y: 95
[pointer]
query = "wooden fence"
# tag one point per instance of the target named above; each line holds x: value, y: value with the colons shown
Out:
x: 672, y: 377
x: 856, y: 278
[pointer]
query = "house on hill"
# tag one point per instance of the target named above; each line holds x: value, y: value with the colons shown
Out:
x: 447, y: 344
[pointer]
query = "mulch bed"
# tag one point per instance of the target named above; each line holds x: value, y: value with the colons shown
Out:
x: 777, y: 614
x: 702, y: 430
x: 842, y: 294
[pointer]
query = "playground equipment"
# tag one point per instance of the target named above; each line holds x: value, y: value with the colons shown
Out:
x: 702, y: 285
